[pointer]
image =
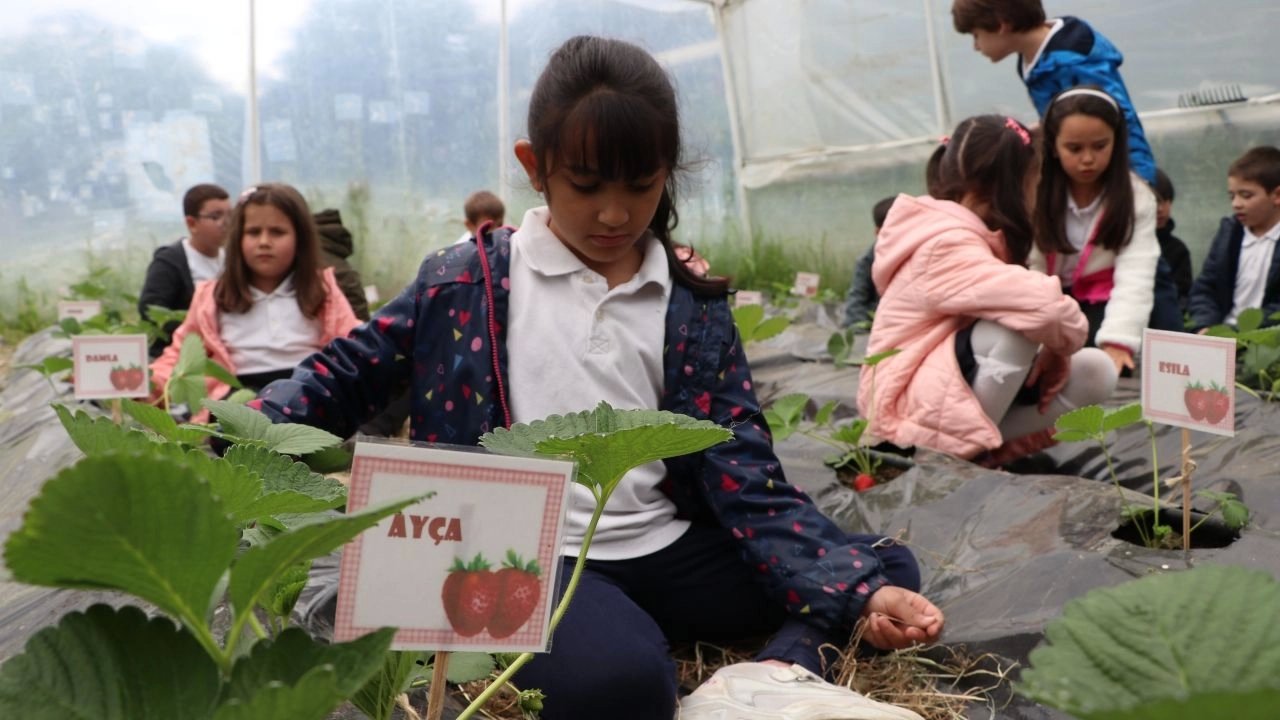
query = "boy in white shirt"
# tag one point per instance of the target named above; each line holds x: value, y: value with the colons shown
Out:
x: 177, y: 267
x: 1242, y: 269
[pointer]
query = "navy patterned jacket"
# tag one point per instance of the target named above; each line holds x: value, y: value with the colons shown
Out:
x: 437, y: 333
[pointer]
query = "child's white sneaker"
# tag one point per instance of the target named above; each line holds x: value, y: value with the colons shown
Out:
x: 757, y: 691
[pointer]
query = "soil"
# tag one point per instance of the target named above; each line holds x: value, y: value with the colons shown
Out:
x: 883, y: 474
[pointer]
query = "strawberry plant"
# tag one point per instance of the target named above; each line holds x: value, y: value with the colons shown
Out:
x: 752, y: 325
x: 786, y: 417
x: 1092, y: 423
x: 186, y: 384
x: 51, y: 367
x: 149, y: 514
x: 1259, y: 352
x: 606, y: 444
x: 1201, y: 643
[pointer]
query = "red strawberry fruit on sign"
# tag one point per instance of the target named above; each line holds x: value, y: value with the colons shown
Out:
x: 117, y: 378
x: 519, y: 590
x: 470, y: 596
x: 1219, y: 404
x: 1196, y: 399
x: 133, y: 378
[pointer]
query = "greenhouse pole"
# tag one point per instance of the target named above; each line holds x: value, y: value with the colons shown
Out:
x: 942, y: 106
x: 255, y: 144
x: 735, y: 127
x: 504, y: 130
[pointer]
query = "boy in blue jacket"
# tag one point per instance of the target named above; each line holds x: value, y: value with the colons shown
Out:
x: 1053, y: 55
x: 1242, y: 269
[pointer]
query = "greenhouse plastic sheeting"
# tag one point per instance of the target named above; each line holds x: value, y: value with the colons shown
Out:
x: 828, y: 74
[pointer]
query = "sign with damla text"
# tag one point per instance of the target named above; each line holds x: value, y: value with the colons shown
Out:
x: 472, y: 567
x: 81, y: 310
x: 1189, y: 381
x: 806, y: 284
x: 110, y: 366
x: 748, y: 297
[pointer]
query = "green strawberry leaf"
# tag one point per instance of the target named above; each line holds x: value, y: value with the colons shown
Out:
x: 1122, y: 417
x: 98, y: 436
x: 293, y: 654
x: 288, y: 588
x: 109, y: 664
x: 280, y: 474
x: 161, y: 423
x: 377, y: 698
x: 51, y: 366
x: 824, y: 413
x: 465, y: 667
x: 314, y: 696
x: 606, y: 442
x: 1087, y: 420
x: 239, y: 420
x: 148, y: 513
x: 1249, y: 320
x: 771, y: 327
x: 1153, y: 647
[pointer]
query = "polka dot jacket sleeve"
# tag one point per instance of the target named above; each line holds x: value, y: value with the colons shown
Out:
x: 351, y: 378
x: 804, y: 559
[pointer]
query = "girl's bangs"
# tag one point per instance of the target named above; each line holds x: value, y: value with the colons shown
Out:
x: 617, y: 137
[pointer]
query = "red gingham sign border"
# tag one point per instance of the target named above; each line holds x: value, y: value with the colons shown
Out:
x: 548, y: 552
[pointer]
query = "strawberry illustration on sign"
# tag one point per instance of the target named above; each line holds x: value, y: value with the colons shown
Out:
x: 133, y: 377
x: 1219, y: 404
x: 1210, y: 405
x: 519, y: 589
x: 470, y: 595
x: 1196, y: 398
x: 476, y: 598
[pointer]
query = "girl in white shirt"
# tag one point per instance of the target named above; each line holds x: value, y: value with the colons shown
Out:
x: 1095, y: 220
x: 272, y: 306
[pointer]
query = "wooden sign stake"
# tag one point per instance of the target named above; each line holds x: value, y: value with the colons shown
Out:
x: 435, y: 696
x: 1187, y: 468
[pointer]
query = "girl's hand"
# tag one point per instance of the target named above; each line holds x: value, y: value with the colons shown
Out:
x: 897, y: 618
x: 1121, y: 356
x: 1050, y: 371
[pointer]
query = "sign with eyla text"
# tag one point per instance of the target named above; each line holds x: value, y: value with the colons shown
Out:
x: 1189, y: 381
x: 472, y: 567
x: 110, y: 366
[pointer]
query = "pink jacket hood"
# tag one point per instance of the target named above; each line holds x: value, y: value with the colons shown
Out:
x: 939, y: 269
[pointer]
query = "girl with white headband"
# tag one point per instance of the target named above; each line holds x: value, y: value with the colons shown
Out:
x: 1095, y: 220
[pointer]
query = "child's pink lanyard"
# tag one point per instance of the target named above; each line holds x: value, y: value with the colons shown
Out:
x: 1085, y: 253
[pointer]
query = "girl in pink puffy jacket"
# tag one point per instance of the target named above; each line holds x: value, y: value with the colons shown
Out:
x: 272, y: 306
x: 990, y: 351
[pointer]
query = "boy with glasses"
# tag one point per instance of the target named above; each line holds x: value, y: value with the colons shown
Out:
x: 176, y: 268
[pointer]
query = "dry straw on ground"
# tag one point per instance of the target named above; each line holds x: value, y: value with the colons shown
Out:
x: 939, y: 683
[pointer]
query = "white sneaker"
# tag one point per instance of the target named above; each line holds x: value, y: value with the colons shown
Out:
x: 756, y: 691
